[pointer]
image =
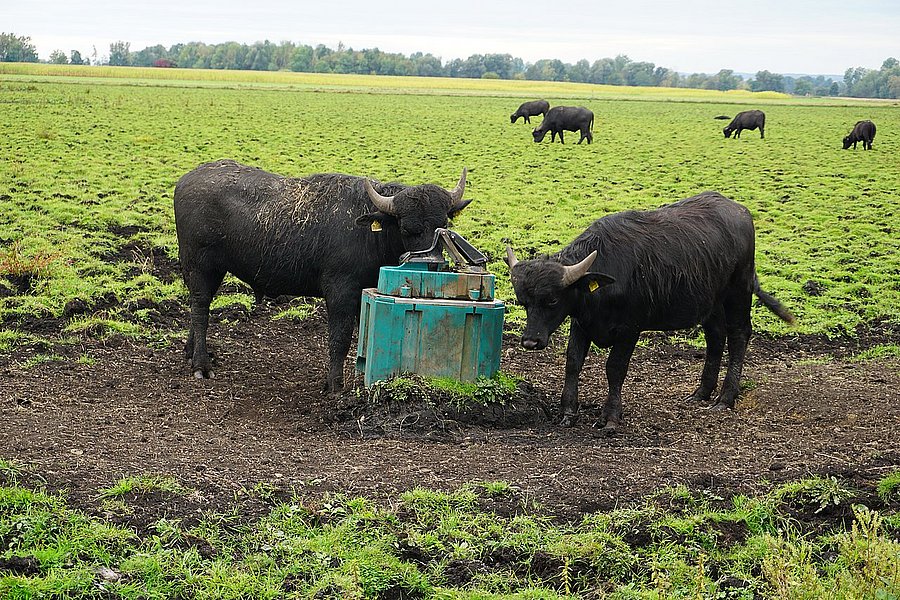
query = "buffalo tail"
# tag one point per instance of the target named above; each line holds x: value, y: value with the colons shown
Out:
x: 772, y: 303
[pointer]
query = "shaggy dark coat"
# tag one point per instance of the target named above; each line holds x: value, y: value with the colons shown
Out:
x: 863, y: 131
x: 749, y: 119
x: 685, y: 263
x: 530, y: 109
x: 311, y: 236
x: 568, y: 118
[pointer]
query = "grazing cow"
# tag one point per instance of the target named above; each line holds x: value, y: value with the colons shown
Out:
x: 685, y: 263
x: 324, y: 235
x: 569, y: 118
x: 530, y: 109
x: 749, y: 119
x: 863, y: 131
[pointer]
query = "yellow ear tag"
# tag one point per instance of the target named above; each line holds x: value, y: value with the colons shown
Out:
x: 376, y: 225
x: 593, y: 285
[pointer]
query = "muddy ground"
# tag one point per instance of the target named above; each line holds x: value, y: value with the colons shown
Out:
x: 808, y: 408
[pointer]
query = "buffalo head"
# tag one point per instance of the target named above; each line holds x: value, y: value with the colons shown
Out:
x: 416, y: 211
x: 539, y: 134
x: 727, y: 131
x: 549, y: 291
x: 847, y: 142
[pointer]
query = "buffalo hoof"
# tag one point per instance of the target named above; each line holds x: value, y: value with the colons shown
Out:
x: 720, y: 406
x: 611, y: 427
x: 204, y: 374
x: 568, y: 420
x: 698, y: 397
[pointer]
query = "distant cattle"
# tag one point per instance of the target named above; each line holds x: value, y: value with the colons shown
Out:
x: 530, y: 109
x: 324, y: 235
x: 863, y: 131
x: 749, y: 119
x: 568, y: 118
x: 685, y: 263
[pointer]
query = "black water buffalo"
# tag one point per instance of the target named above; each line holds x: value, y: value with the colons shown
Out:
x: 568, y: 118
x: 685, y: 263
x: 863, y: 131
x: 530, y: 109
x: 324, y: 235
x: 749, y: 119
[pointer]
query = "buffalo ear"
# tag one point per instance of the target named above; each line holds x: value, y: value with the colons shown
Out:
x: 591, y: 282
x: 375, y: 220
x: 457, y: 208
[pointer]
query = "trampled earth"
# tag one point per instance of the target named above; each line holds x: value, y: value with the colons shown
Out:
x: 808, y: 407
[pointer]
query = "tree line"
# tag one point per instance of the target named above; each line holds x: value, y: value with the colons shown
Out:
x: 621, y: 70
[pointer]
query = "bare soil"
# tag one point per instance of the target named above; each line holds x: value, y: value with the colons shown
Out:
x: 808, y: 408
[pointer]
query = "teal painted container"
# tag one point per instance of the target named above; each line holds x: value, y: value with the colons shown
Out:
x: 426, y: 320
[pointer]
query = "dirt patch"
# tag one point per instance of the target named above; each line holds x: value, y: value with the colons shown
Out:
x: 130, y: 409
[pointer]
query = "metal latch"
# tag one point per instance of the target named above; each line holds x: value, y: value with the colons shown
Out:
x: 464, y: 254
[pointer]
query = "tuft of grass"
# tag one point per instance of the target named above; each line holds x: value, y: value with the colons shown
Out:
x: 879, y: 352
x: 102, y: 328
x: 40, y: 359
x: 889, y: 487
x: 143, y: 484
x: 815, y: 491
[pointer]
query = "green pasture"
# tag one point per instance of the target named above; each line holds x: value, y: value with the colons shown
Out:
x: 482, y: 541
x: 90, y: 151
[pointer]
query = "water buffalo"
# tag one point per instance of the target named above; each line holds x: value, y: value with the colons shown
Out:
x: 863, y: 131
x: 324, y: 235
x: 530, y: 109
x: 685, y: 263
x: 568, y: 118
x: 749, y: 119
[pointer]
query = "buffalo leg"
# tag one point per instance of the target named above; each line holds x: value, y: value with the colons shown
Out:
x: 203, y: 287
x: 561, y: 141
x: 576, y: 352
x: 762, y: 133
x: 714, y: 332
x: 342, y: 303
x: 616, y: 369
x: 739, y: 329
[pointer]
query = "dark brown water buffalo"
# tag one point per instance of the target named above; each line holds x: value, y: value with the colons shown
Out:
x: 685, y: 263
x: 749, y: 119
x: 530, y: 109
x: 568, y: 118
x: 323, y: 235
x: 863, y: 131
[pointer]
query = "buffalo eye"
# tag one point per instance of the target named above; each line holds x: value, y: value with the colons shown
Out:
x: 552, y: 302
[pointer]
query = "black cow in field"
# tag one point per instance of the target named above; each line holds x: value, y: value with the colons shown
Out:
x: 568, y: 118
x: 685, y: 263
x: 324, y: 235
x: 863, y: 131
x: 749, y: 119
x: 530, y: 109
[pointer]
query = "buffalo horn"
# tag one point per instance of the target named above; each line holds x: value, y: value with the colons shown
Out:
x: 510, y: 257
x: 457, y: 193
x: 573, y: 273
x: 383, y: 203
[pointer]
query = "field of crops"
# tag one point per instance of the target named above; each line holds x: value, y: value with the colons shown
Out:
x: 94, y: 394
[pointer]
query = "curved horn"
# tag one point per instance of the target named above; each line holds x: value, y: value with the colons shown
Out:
x: 383, y: 203
x: 510, y: 257
x: 457, y: 193
x: 573, y: 273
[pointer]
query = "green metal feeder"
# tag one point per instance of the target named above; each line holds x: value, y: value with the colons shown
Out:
x: 429, y: 319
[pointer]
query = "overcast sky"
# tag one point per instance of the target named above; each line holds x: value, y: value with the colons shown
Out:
x: 783, y: 36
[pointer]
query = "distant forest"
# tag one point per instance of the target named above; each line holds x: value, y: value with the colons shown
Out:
x: 621, y: 70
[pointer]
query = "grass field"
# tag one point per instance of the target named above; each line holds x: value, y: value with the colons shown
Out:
x: 479, y: 542
x: 91, y: 156
x: 87, y: 156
